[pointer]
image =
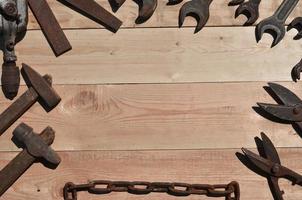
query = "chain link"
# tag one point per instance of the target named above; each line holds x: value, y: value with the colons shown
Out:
x: 230, y: 191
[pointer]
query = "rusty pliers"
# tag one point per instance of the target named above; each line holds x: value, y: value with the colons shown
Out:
x: 268, y: 164
x: 290, y: 107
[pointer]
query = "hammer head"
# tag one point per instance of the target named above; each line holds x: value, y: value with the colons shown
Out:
x: 41, y: 85
x: 37, y: 145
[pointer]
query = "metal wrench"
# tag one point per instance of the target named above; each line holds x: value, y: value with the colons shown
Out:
x: 199, y: 9
x: 275, y: 25
x: 145, y: 10
x: 250, y: 9
x: 297, y: 24
x: 235, y: 2
x: 296, y: 71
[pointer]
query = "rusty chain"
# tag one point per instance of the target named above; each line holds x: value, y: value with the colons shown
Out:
x: 230, y: 191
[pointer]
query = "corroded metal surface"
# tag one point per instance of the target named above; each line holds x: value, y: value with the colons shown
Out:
x: 199, y: 9
x: 230, y: 191
x: 13, y: 26
x: 94, y: 11
x: 275, y: 25
x: 268, y: 164
x: 39, y: 88
x: 50, y: 26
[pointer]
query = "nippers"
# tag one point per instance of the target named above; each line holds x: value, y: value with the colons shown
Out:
x: 268, y: 164
x: 290, y: 107
x: 296, y: 24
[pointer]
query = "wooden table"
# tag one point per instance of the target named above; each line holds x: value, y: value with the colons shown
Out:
x: 157, y: 103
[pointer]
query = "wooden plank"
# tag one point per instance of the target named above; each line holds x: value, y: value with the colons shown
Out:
x: 164, y: 16
x: 149, y: 56
x: 158, y: 116
x: 200, y: 166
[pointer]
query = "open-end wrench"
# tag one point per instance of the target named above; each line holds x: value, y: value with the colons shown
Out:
x: 174, y: 2
x: 145, y: 11
x: 199, y: 9
x: 275, y: 25
x: 297, y: 24
x: 296, y: 71
x: 250, y: 9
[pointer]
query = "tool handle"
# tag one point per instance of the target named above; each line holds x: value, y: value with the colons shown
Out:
x: 15, y: 168
x: 294, y: 177
x: 10, y: 79
x: 17, y: 109
x: 285, y: 9
x: 299, y: 125
x: 12, y: 171
x: 95, y: 12
x: 50, y: 26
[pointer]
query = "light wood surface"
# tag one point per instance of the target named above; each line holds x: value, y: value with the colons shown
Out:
x: 158, y: 116
x: 157, y: 103
x: 199, y: 166
x: 223, y: 54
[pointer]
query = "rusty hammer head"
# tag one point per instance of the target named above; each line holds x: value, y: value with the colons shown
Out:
x: 37, y: 145
x: 42, y: 86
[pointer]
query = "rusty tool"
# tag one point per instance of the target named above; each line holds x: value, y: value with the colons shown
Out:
x: 275, y: 25
x: 297, y: 24
x: 296, y: 71
x: 143, y: 188
x: 199, y: 9
x: 39, y: 89
x: 174, y: 2
x: 235, y: 2
x: 13, y: 26
x: 268, y: 164
x: 50, y: 26
x: 289, y: 110
x: 146, y: 8
x: 250, y: 9
x: 35, y: 148
x: 95, y: 12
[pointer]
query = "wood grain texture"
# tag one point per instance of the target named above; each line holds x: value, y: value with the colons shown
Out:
x: 158, y: 116
x: 149, y: 56
x: 200, y: 166
x: 164, y: 16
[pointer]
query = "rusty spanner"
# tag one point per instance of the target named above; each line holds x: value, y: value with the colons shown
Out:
x: 250, y: 9
x: 145, y: 11
x: 297, y: 24
x: 275, y: 25
x: 199, y: 9
x: 235, y: 2
x: 296, y: 71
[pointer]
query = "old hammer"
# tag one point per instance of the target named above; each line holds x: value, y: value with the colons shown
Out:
x: 35, y: 148
x: 39, y: 89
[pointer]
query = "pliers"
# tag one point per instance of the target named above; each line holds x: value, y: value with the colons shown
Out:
x: 290, y: 107
x: 268, y: 164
